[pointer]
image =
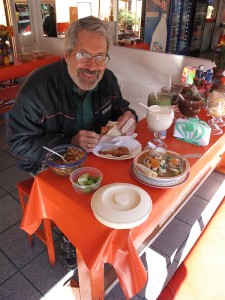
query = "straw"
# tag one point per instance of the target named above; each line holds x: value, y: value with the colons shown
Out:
x: 145, y: 106
x: 156, y: 97
x: 181, y: 96
x: 170, y: 83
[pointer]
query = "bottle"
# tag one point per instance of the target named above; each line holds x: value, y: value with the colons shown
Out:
x: 158, y: 43
x: 10, y: 55
x: 200, y: 71
x: 1, y: 57
x: 6, y: 58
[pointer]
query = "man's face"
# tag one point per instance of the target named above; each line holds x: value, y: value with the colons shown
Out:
x: 86, y: 74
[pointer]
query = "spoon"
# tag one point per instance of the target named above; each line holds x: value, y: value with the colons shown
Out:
x: 191, y: 155
x: 56, y: 154
x: 159, y: 150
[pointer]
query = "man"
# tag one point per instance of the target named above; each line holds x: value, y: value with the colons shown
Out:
x: 49, y: 25
x: 69, y: 101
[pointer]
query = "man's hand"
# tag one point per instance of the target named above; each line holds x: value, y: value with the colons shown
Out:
x: 127, y: 123
x: 86, y: 139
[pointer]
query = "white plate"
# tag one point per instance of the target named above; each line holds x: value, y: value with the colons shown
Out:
x: 133, y: 145
x: 139, y: 177
x: 121, y: 205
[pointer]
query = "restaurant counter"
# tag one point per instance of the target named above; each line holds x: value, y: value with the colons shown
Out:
x: 21, y: 69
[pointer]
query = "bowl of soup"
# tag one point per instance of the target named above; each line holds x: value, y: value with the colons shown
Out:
x: 157, y: 168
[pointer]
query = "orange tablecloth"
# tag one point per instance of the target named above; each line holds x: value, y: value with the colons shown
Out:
x: 53, y: 197
x: 21, y: 69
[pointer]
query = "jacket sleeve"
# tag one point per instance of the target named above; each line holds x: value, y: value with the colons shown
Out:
x: 27, y: 136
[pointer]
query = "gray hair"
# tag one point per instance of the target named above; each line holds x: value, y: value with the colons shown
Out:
x: 89, y: 23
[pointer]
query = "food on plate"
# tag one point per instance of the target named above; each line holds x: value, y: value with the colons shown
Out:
x: 111, y: 129
x: 161, y: 165
x: 146, y: 170
x: 72, y: 155
x: 115, y: 151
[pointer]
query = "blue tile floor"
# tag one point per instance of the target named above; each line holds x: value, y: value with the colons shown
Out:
x: 25, y: 273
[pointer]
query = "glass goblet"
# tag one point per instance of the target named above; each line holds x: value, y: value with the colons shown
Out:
x: 159, y: 119
x: 176, y: 87
x: 216, y: 108
x: 189, y: 105
x: 158, y: 98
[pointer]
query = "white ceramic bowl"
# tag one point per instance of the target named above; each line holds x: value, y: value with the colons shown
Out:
x: 95, y: 174
x: 159, y: 181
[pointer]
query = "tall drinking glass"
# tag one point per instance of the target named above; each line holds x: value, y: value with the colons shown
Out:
x: 159, y: 119
x: 159, y: 98
x: 216, y: 108
x: 173, y: 91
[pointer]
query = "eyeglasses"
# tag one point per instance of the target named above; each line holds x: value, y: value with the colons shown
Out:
x: 84, y: 57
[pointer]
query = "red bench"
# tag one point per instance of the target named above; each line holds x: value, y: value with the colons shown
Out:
x: 201, y: 276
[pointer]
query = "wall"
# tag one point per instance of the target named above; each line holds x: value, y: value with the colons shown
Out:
x: 138, y: 71
x: 2, y: 15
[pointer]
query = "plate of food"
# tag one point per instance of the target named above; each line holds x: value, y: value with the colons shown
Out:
x: 123, y: 149
x: 114, y: 145
x: 160, y: 169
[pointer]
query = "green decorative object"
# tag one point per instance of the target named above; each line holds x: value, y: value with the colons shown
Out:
x: 193, y: 131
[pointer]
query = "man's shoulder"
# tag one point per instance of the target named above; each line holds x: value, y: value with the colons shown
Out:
x: 50, y: 70
x: 108, y: 75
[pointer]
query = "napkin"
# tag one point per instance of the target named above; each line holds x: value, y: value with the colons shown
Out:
x: 126, y: 141
x: 193, y: 131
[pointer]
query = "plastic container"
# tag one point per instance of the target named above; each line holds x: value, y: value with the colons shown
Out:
x: 86, y: 180
x: 76, y: 156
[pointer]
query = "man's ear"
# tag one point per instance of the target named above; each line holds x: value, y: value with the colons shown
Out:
x: 66, y: 56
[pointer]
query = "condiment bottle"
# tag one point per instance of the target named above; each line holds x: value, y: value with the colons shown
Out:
x: 6, y: 58
x: 10, y: 55
x: 1, y: 57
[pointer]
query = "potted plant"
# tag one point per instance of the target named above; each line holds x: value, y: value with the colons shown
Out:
x: 126, y: 20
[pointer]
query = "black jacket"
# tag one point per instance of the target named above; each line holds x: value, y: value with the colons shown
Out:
x: 49, y: 25
x: 44, y: 112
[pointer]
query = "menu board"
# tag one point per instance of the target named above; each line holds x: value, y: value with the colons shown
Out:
x: 154, y: 10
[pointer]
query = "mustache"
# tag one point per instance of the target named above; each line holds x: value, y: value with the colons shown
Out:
x: 86, y: 71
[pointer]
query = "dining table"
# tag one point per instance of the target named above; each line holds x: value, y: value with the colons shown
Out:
x: 52, y: 197
x: 21, y: 69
